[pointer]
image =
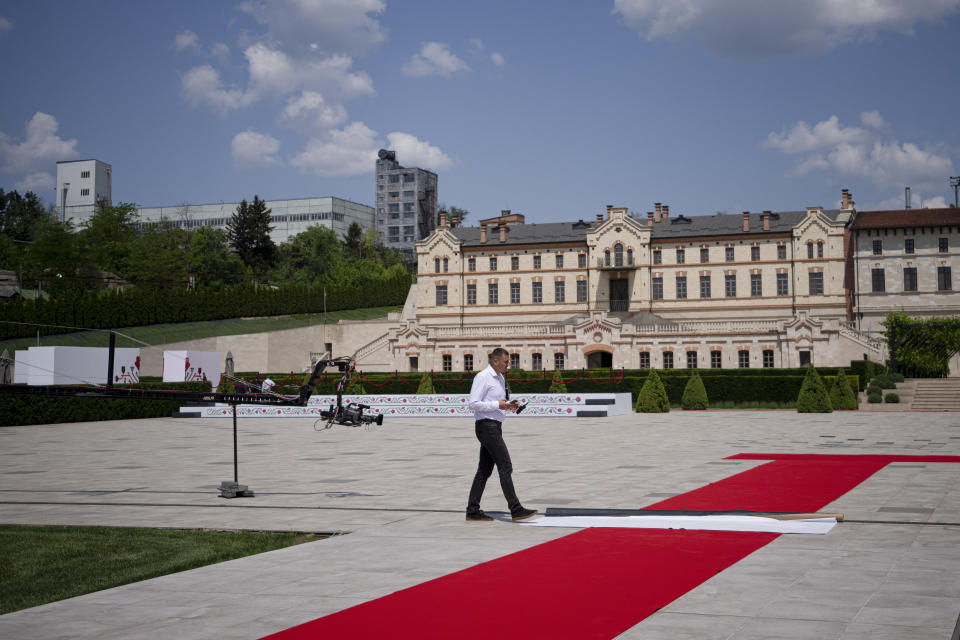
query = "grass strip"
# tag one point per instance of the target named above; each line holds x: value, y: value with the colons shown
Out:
x: 44, y: 564
x: 166, y: 333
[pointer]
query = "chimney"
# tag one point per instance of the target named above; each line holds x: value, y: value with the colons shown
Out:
x: 649, y: 218
x: 504, y: 212
x: 454, y: 222
x: 844, y: 199
x: 766, y: 220
x: 665, y: 212
x: 656, y: 207
x: 503, y: 233
x: 746, y: 221
x: 599, y: 218
x: 443, y: 218
x: 483, y: 233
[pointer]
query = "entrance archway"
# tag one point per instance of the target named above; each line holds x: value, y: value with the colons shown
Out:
x: 599, y: 356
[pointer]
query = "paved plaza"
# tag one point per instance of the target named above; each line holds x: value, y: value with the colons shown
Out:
x: 397, y: 493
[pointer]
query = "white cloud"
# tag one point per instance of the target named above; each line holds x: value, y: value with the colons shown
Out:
x: 803, y: 138
x: 201, y: 86
x: 252, y: 150
x: 757, y: 28
x: 332, y: 26
x: 41, y: 147
x: 352, y: 151
x: 917, y: 201
x: 5, y: 26
x: 39, y: 182
x: 497, y: 59
x: 186, y: 39
x: 853, y: 151
x: 476, y: 45
x: 434, y: 59
x: 412, y: 152
x: 873, y: 120
x: 310, y: 112
x: 272, y: 70
x: 220, y: 51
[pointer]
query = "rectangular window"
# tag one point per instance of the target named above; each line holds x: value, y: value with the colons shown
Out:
x: 394, y: 208
x: 783, y: 286
x: 394, y: 178
x: 681, y: 287
x: 754, y: 253
x: 514, y: 263
x: 581, y: 290
x: 768, y: 359
x: 446, y: 264
x: 908, y: 245
x: 472, y: 264
x: 559, y: 291
x: 536, y: 262
x: 781, y: 252
x: 657, y: 286
x: 644, y: 360
x: 728, y: 253
x: 408, y: 194
x: 84, y: 174
x: 84, y: 192
x: 730, y: 286
x: 514, y: 360
x: 493, y: 293
x: 756, y: 284
x: 809, y: 249
x: 909, y: 278
x: 704, y: 286
x: 691, y: 359
x: 538, y: 292
x: 468, y: 362
x: 943, y: 279
x: 943, y: 244
x: 436, y: 265
x: 394, y: 233
x: 816, y: 284
x: 878, y: 279
x: 819, y: 249
x: 558, y: 361
x: 878, y: 247
x: 668, y: 359
x: 537, y: 361
x: 493, y: 264
x: 715, y: 359
x: 441, y: 295
x: 559, y: 261
x: 394, y: 195
x: 744, y: 359
x: 704, y: 255
x: 681, y: 256
x: 408, y: 207
x: 447, y: 362
x: 409, y: 177
x: 658, y: 257
x: 514, y: 293
x: 582, y: 260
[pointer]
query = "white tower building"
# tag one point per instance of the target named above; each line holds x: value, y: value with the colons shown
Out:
x: 80, y: 185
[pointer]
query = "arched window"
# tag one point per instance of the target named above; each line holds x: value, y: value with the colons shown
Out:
x: 436, y: 265
x: 445, y: 264
x: 606, y: 257
x: 618, y: 255
x: 629, y: 256
x: 819, y: 248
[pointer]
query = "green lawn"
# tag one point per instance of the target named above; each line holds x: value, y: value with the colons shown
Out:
x: 45, y: 564
x: 166, y: 333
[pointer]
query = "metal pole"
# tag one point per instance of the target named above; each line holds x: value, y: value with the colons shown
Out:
x: 235, y: 475
x: 110, y: 354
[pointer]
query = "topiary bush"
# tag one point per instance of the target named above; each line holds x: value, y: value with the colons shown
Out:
x: 653, y: 396
x: 897, y: 377
x: 874, y: 398
x: 842, y: 395
x: 891, y: 398
x: 694, y: 394
x: 426, y: 384
x: 557, y: 387
x: 884, y: 382
x: 813, y: 396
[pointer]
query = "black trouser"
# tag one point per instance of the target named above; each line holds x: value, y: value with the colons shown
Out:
x: 493, y: 450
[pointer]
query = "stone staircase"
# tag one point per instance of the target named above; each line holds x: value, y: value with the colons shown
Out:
x: 937, y: 394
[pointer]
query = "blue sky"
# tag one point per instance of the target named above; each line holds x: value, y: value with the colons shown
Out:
x: 550, y: 108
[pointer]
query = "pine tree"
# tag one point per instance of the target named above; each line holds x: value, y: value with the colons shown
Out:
x: 249, y: 233
x: 426, y: 384
x: 813, y: 396
x: 842, y: 395
x: 653, y: 396
x: 694, y: 394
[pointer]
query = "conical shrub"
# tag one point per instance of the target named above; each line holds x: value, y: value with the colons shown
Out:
x: 426, y: 384
x: 694, y: 394
x: 557, y: 387
x: 842, y: 395
x: 813, y: 396
x: 653, y: 396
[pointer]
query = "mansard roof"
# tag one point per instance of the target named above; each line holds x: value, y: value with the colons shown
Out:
x: 901, y: 218
x: 720, y: 224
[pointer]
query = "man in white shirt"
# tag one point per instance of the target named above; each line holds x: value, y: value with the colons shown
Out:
x: 266, y: 385
x: 488, y: 401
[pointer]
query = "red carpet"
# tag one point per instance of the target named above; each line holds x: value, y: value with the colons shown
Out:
x: 597, y: 583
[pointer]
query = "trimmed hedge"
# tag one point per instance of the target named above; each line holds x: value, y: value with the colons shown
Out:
x: 652, y: 397
x: 813, y: 396
x: 694, y: 394
x: 16, y: 409
x: 866, y: 370
x: 138, y: 306
x: 891, y: 398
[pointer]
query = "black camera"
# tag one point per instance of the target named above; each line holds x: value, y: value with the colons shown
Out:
x: 352, y: 415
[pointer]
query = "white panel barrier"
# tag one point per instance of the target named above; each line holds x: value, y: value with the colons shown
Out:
x: 75, y: 365
x: 187, y: 366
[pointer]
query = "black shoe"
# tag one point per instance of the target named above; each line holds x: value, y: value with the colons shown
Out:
x: 478, y: 517
x: 523, y: 514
